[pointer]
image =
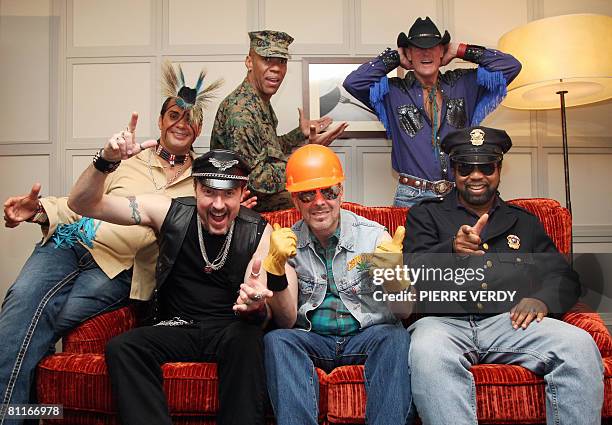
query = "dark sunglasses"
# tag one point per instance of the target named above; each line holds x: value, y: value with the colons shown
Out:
x: 465, y: 170
x: 329, y: 193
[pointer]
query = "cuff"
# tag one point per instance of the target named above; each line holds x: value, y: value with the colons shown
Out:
x: 277, y: 283
x: 461, y: 50
x: 472, y: 53
x: 390, y: 58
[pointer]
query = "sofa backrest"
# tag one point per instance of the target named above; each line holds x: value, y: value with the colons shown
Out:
x: 556, y: 219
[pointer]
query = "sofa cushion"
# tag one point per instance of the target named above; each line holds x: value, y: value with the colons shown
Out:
x: 80, y: 383
x: 505, y: 394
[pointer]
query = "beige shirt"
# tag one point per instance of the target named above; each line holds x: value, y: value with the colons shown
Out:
x: 117, y: 248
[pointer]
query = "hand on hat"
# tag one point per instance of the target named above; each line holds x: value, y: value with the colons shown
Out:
x: 123, y: 145
x: 467, y: 239
x: 404, y: 61
x: 450, y: 53
x: 20, y: 208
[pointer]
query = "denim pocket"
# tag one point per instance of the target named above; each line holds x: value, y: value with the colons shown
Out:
x: 406, y: 193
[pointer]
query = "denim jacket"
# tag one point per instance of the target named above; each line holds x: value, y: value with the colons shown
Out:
x: 351, y: 274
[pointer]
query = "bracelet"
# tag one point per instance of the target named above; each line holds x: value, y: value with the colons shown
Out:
x: 103, y: 165
x: 277, y: 283
x: 39, y: 216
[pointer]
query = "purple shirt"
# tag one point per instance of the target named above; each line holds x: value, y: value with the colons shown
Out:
x: 468, y: 95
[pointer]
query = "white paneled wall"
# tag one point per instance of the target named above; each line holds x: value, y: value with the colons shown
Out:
x: 74, y: 70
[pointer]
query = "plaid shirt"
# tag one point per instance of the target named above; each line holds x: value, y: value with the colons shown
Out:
x: 331, y: 317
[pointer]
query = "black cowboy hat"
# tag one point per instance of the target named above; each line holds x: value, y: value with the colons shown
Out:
x: 424, y: 34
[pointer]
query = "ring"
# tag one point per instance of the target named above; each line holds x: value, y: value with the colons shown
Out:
x: 257, y: 297
x: 255, y: 274
x: 140, y: 146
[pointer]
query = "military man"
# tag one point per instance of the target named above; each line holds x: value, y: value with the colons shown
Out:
x: 246, y: 122
x: 481, y: 231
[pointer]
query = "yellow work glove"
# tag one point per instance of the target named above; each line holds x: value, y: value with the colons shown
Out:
x: 388, y: 255
x: 282, y: 246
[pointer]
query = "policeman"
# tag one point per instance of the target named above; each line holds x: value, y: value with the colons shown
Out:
x: 475, y: 225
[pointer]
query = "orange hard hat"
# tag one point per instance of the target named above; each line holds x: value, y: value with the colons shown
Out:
x: 313, y: 167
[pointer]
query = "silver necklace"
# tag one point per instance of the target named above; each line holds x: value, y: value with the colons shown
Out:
x: 168, y: 182
x: 222, y: 256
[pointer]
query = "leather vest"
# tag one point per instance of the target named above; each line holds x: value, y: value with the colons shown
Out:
x: 248, y: 230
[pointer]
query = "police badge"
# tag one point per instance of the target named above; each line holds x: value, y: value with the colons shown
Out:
x: 477, y: 137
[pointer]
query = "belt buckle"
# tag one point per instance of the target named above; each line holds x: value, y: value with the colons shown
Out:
x: 442, y: 187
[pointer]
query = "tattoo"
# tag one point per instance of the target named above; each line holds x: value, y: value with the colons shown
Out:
x: 135, y: 211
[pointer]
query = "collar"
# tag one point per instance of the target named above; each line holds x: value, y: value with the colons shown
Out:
x: 144, y: 157
x: 332, y: 240
x: 494, y: 207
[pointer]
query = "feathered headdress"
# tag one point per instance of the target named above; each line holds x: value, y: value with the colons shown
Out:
x: 193, y: 100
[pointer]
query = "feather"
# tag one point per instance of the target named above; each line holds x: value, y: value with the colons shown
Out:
x: 181, y: 77
x: 169, y: 81
x: 172, y: 83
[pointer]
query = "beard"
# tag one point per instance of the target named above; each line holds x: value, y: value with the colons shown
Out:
x: 480, y: 199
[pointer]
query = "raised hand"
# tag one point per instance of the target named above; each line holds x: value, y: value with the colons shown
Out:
x: 327, y: 137
x: 320, y: 125
x: 450, y: 53
x: 123, y: 145
x: 283, y: 243
x: 404, y: 61
x: 388, y: 255
x: 18, y: 209
x: 315, y: 129
x: 467, y: 239
x: 253, y: 293
x: 248, y: 201
x: 526, y: 310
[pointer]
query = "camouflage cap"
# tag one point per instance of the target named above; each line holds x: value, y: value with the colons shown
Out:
x: 274, y: 44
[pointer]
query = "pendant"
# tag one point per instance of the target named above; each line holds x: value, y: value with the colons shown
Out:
x: 208, y: 269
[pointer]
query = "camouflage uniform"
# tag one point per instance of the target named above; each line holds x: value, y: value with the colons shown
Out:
x: 246, y: 124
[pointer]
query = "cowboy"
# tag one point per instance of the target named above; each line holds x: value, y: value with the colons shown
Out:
x: 82, y: 268
x: 421, y: 108
x: 475, y: 227
x: 210, y: 250
x: 338, y: 321
x: 246, y: 122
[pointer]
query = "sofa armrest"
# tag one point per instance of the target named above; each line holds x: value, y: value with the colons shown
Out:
x: 593, y: 324
x: 92, y: 335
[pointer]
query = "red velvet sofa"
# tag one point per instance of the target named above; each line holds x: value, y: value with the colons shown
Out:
x: 77, y: 379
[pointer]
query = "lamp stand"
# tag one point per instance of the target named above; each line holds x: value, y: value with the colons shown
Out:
x: 568, y: 200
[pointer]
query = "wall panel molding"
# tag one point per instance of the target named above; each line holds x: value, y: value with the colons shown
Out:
x: 119, y: 23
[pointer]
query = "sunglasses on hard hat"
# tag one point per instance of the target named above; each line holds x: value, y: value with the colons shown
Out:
x: 465, y: 169
x: 329, y: 193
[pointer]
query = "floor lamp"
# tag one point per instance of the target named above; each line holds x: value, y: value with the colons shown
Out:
x: 567, y: 61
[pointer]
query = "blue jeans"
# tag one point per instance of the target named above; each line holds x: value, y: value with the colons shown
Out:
x: 57, y: 289
x: 408, y: 196
x: 292, y: 354
x: 444, y: 348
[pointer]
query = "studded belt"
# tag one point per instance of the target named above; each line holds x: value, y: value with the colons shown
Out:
x: 439, y: 187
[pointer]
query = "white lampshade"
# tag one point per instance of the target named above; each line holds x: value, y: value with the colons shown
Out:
x: 568, y: 52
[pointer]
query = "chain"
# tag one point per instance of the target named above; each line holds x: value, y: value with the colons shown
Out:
x: 222, y: 256
x: 179, y: 171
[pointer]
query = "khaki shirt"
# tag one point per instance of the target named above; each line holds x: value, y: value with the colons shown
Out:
x: 115, y: 247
